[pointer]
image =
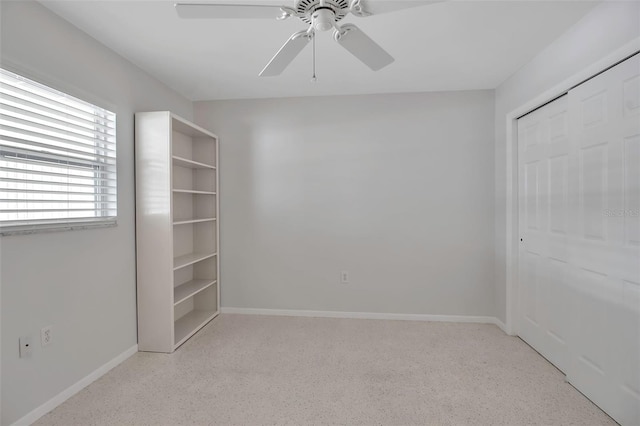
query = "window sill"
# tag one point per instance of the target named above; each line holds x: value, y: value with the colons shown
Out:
x: 62, y: 228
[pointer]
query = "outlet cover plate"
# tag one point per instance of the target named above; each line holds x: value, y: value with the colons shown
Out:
x: 46, y: 335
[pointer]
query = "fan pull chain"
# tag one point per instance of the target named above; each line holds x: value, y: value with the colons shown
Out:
x: 314, y: 78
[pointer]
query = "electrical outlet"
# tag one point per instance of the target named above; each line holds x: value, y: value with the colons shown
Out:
x: 344, y: 277
x: 46, y: 335
x: 26, y: 346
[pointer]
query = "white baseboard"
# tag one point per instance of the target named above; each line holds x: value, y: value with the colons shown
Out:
x: 502, y: 326
x: 365, y: 315
x: 75, y: 388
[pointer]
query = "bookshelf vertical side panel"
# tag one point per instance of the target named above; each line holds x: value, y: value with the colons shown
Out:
x: 154, y: 231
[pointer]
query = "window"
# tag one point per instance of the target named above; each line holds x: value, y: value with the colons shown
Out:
x: 57, y: 159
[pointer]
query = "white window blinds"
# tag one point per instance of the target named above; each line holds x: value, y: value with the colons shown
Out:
x: 57, y: 159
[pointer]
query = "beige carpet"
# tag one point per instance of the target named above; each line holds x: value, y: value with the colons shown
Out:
x: 256, y: 370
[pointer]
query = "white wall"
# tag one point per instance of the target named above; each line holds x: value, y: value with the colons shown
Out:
x: 608, y: 27
x: 82, y: 282
x: 395, y: 189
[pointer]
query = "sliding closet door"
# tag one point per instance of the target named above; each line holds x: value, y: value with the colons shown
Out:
x: 579, y: 182
x: 605, y: 126
x: 544, y: 149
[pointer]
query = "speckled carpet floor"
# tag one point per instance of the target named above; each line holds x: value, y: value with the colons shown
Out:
x: 257, y: 370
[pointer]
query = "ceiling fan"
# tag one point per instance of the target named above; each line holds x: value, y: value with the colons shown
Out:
x: 320, y: 15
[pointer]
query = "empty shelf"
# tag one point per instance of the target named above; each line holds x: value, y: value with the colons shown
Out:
x: 191, y: 191
x: 186, y: 326
x: 185, y: 162
x: 190, y: 259
x: 188, y: 221
x: 190, y: 288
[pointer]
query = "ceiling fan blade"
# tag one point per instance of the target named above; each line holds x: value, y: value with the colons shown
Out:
x: 364, y: 8
x: 362, y: 47
x: 228, y: 10
x: 286, y: 54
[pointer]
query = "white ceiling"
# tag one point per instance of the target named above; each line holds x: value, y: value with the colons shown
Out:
x: 456, y: 45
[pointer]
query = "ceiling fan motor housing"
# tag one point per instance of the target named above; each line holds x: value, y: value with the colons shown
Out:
x: 310, y: 12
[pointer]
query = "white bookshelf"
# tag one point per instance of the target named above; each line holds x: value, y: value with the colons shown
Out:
x: 176, y: 229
